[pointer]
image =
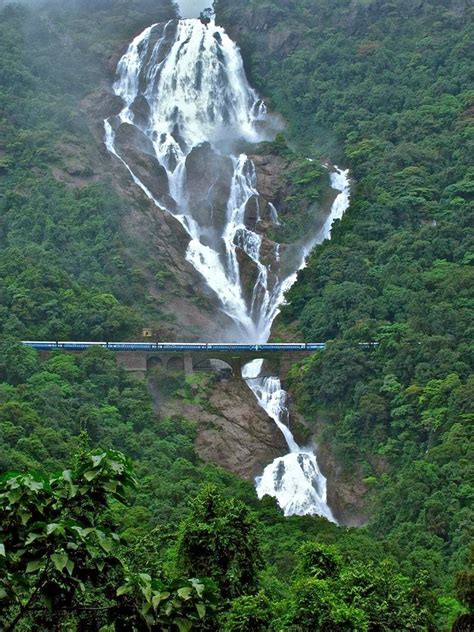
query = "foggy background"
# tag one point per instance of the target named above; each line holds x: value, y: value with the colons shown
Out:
x: 188, y: 8
x: 192, y: 8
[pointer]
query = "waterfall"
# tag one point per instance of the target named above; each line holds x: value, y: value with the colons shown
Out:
x: 184, y: 85
x: 188, y: 113
x: 295, y: 479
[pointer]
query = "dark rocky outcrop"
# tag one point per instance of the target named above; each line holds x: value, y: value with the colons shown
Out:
x: 208, y: 183
x: 141, y: 111
x: 270, y: 177
x: 137, y: 151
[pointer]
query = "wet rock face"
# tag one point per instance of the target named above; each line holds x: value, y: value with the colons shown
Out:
x: 347, y: 494
x: 252, y: 213
x: 270, y: 181
x: 238, y: 435
x: 248, y: 274
x: 128, y: 136
x: 141, y: 111
x: 137, y: 151
x: 104, y: 104
x: 233, y: 431
x: 208, y: 183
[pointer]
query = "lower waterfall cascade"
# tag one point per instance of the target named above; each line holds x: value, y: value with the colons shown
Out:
x: 187, y: 101
x: 295, y: 479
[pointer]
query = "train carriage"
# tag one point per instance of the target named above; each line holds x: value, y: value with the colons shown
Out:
x: 183, y: 347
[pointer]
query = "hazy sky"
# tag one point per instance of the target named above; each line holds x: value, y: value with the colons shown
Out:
x: 192, y: 8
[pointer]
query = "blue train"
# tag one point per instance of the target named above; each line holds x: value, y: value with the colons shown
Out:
x: 174, y: 346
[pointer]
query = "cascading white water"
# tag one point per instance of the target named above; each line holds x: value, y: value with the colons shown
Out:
x: 194, y: 84
x: 183, y: 85
x: 295, y: 479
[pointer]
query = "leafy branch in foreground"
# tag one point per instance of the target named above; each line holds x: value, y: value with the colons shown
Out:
x: 59, y: 555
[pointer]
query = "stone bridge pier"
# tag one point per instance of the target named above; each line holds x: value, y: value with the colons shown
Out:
x: 275, y: 363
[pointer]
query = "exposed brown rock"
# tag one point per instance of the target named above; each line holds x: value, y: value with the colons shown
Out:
x: 346, y: 494
x: 137, y: 150
x: 270, y: 171
x: 233, y: 431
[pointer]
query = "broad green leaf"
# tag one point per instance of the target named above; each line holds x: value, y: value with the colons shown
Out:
x: 123, y: 590
x: 25, y: 516
x: 185, y: 592
x: 88, y: 531
x: 201, y: 610
x: 72, y: 546
x: 90, y: 475
x: 106, y: 544
x: 34, y: 485
x: 59, y: 560
x: 52, y: 527
x: 2, y: 549
x: 184, y: 625
x: 198, y: 586
x: 157, y: 599
x: 67, y: 476
x: 33, y: 566
x: 32, y: 537
x: 98, y: 458
x: 14, y: 497
x: 69, y: 566
x: 144, y: 577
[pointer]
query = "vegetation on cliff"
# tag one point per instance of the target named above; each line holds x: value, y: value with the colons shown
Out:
x: 384, y: 88
x: 64, y: 268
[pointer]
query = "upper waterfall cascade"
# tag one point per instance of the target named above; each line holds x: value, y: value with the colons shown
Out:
x: 189, y: 112
x: 184, y: 85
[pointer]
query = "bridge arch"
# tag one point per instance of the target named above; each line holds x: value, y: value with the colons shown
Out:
x: 214, y: 365
x: 154, y: 362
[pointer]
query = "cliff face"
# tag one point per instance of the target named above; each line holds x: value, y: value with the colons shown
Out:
x: 157, y: 242
x: 232, y: 430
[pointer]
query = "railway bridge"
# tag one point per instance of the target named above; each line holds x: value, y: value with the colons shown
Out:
x: 227, y: 358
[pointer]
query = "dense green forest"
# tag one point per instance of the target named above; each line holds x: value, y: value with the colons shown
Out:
x: 64, y: 270
x: 49, y: 408
x: 379, y: 87
x: 386, y: 89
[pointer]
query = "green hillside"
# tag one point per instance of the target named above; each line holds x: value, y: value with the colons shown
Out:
x: 385, y: 89
x: 108, y: 515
